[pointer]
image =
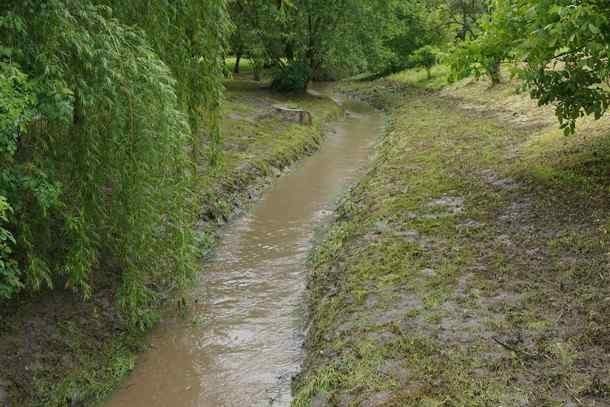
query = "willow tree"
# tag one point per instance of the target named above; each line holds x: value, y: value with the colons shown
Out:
x: 190, y: 37
x: 96, y: 125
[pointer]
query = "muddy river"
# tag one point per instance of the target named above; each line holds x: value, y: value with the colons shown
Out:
x: 242, y: 342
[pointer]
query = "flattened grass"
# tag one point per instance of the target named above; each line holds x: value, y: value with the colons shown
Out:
x: 470, y: 267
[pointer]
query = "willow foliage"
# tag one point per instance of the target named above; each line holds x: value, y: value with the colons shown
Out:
x: 189, y: 36
x: 95, y: 139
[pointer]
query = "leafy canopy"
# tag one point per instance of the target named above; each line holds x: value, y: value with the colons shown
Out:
x: 101, y: 120
x: 560, y: 50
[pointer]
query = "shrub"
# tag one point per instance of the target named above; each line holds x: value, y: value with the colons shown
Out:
x: 425, y: 57
x: 474, y: 58
x: 293, y: 77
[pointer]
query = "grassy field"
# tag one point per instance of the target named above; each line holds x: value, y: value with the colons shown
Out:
x: 53, y: 353
x: 246, y: 66
x: 419, y: 77
x: 470, y: 267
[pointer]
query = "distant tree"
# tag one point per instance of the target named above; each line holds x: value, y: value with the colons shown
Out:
x: 463, y: 15
x: 334, y: 38
x: 347, y: 35
x: 258, y: 32
x: 492, y: 44
x: 410, y: 26
x: 479, y: 57
x: 560, y: 49
x: 242, y: 35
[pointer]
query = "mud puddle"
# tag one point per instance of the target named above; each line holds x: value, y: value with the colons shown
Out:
x: 242, y: 341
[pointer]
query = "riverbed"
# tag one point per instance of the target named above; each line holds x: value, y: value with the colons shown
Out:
x: 242, y: 341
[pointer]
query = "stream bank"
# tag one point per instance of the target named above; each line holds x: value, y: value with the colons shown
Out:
x: 52, y: 353
x: 470, y: 266
x: 241, y: 341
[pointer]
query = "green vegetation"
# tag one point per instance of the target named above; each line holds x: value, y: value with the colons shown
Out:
x: 190, y: 37
x: 466, y: 268
x: 110, y: 147
x: 110, y: 110
x: 79, y: 352
x: 560, y: 49
x: 96, y: 173
x: 321, y: 40
x: 425, y: 57
x: 437, y: 78
x: 257, y: 143
x: 293, y: 77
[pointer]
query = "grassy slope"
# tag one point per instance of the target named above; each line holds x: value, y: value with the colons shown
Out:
x: 257, y: 144
x: 470, y: 267
x: 56, y: 349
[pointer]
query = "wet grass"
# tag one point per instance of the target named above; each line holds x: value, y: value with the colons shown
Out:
x: 419, y: 77
x: 57, y: 350
x: 258, y: 145
x: 470, y: 267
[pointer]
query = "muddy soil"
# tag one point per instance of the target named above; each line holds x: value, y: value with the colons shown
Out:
x: 468, y: 268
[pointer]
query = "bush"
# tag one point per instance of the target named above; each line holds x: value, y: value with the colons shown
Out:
x: 292, y: 78
x: 482, y: 55
x: 424, y: 57
x: 476, y: 59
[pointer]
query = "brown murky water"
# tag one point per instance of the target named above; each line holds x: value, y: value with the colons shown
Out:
x: 242, y: 343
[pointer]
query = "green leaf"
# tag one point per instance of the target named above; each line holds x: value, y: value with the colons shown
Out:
x: 594, y: 29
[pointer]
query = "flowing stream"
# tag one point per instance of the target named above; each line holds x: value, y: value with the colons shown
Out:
x: 243, y: 340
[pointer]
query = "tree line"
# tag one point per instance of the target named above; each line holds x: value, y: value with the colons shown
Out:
x: 559, y: 49
x: 303, y: 40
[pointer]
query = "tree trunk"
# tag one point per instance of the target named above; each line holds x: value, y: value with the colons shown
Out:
x: 289, y: 50
x: 494, y: 73
x: 429, y: 73
x: 237, y: 61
